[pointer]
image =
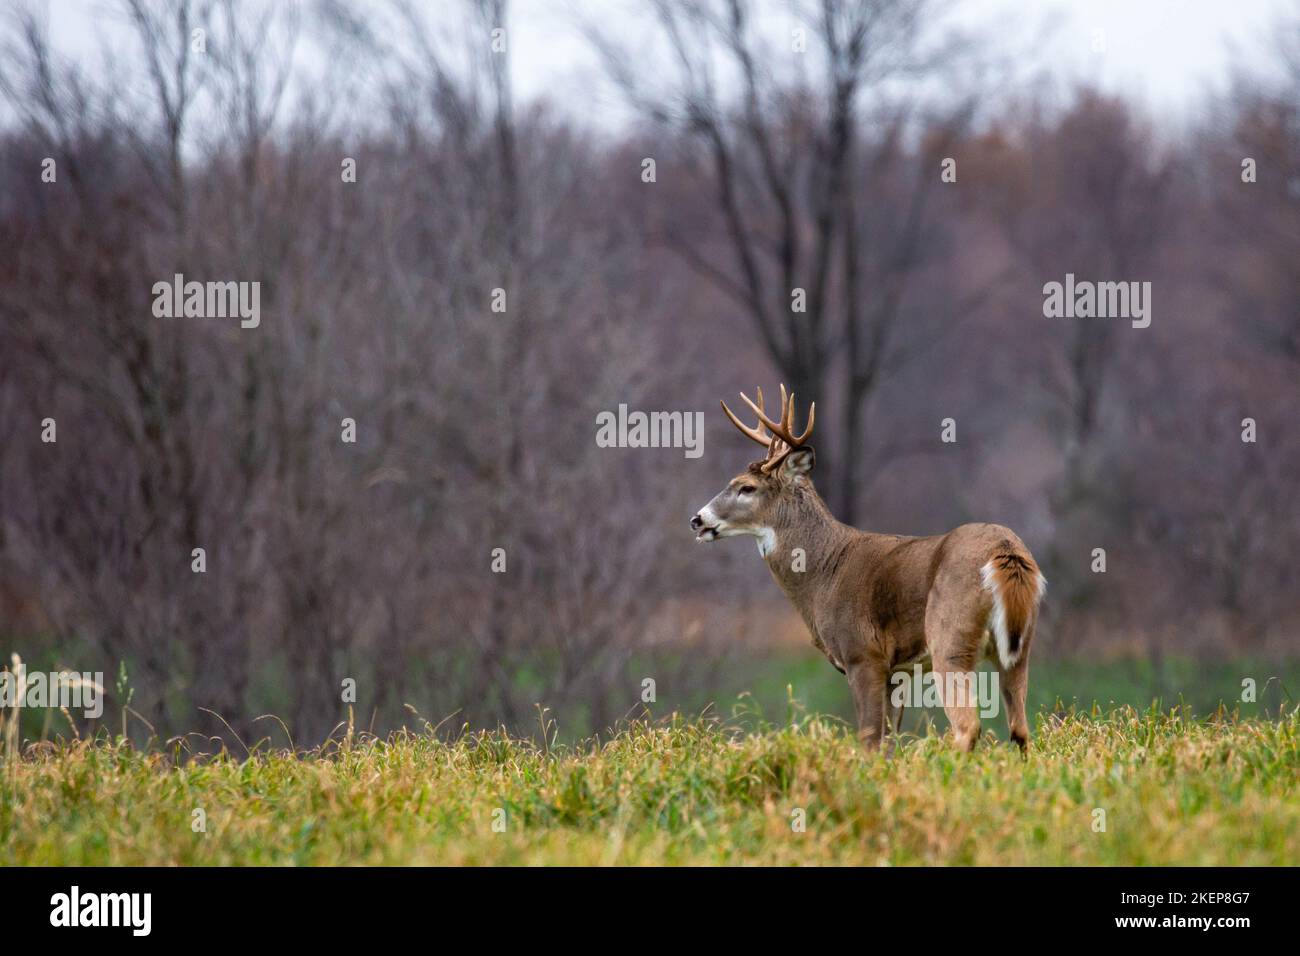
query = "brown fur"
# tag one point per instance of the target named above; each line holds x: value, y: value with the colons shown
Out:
x: 875, y: 603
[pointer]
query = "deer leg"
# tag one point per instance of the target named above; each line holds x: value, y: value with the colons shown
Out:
x: 867, y: 681
x: 956, y: 682
x: 1015, y: 685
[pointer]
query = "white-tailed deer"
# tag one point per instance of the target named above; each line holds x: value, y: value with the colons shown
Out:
x: 877, y: 603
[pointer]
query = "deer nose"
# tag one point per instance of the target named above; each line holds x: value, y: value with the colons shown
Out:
x: 696, y: 523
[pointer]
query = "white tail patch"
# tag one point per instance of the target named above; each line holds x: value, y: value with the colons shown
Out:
x: 998, y: 618
x: 997, y: 623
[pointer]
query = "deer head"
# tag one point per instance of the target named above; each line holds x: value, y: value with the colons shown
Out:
x: 751, y: 502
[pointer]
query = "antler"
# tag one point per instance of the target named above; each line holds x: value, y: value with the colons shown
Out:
x: 756, y: 433
x: 782, y: 440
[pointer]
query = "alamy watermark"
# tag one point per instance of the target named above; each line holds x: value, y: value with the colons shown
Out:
x: 208, y: 300
x: 953, y: 689
x: 1100, y: 300
x: 626, y: 429
x: 66, y: 690
x: 133, y: 911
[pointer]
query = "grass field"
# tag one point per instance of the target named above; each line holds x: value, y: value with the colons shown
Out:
x: 1196, y: 687
x: 1168, y: 790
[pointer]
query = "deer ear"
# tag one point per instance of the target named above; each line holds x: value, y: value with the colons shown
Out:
x: 799, y: 462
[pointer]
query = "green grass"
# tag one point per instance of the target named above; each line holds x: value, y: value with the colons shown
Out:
x: 1196, y: 687
x: 1173, y: 791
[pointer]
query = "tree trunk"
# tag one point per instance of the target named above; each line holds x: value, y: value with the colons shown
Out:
x: 844, y: 499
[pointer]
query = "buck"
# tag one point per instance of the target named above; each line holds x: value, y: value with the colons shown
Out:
x: 878, y: 603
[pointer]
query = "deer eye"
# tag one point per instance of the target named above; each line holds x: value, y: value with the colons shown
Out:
x: 746, y: 490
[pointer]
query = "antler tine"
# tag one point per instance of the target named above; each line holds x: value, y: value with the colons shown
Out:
x: 782, y: 440
x: 785, y: 440
x: 785, y: 429
x: 757, y: 434
x: 774, y: 427
x: 773, y: 444
x: 812, y: 417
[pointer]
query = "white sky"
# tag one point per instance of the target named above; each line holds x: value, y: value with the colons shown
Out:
x: 1165, y: 54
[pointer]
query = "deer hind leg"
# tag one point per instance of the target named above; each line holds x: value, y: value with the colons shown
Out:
x: 954, y: 676
x: 963, y: 712
x: 955, y: 647
x: 1015, y: 686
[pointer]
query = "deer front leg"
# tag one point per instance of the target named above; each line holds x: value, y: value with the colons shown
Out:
x: 867, y: 680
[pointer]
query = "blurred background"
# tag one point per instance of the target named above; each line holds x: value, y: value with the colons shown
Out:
x: 795, y: 145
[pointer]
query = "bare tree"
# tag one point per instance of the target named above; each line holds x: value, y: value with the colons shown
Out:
x: 800, y: 170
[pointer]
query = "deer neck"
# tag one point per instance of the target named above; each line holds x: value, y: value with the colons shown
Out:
x: 803, y: 544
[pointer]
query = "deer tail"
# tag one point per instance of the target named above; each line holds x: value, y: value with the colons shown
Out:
x: 1017, y: 586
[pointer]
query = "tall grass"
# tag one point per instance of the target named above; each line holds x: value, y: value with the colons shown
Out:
x: 1124, y: 787
x: 11, y: 714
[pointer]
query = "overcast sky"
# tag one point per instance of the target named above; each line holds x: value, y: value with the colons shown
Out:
x: 1165, y: 54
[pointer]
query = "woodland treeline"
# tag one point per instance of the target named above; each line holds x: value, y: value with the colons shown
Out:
x: 495, y: 274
